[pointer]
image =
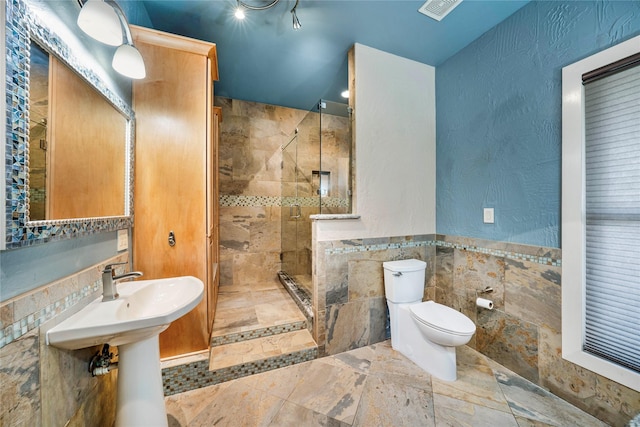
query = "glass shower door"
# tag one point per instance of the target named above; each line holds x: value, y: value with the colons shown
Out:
x: 300, y: 158
x: 316, y: 178
x: 291, y: 209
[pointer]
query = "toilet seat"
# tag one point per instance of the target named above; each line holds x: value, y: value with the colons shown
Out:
x: 442, y: 318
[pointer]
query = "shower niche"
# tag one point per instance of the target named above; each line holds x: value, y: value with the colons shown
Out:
x: 316, y: 179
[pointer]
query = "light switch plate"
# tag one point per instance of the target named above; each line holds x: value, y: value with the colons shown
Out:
x: 123, y: 240
x: 488, y: 215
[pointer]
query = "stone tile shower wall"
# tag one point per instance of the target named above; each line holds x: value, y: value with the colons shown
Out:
x: 251, y: 198
x: 43, y: 385
x: 523, y: 331
x: 250, y: 157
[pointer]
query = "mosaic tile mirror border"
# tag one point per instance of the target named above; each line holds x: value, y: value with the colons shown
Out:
x: 22, y: 25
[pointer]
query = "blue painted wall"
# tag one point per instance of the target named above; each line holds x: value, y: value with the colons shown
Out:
x: 499, y: 112
x: 24, y: 269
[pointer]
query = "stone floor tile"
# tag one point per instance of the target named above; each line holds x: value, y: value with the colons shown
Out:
x: 387, y: 403
x: 476, y: 382
x: 527, y: 400
x: 455, y: 412
x: 330, y: 390
x: 292, y: 415
x: 235, y: 405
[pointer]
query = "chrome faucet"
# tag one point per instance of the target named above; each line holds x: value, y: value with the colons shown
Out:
x: 109, y: 291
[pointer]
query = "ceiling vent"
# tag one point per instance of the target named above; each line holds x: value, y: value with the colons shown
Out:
x: 438, y: 9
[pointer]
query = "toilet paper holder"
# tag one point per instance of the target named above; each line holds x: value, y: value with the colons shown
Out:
x: 486, y: 290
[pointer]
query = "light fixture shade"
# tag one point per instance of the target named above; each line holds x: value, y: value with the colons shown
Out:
x: 100, y: 21
x: 128, y: 62
x: 296, y: 22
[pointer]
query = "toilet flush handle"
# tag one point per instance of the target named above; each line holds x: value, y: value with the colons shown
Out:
x: 398, y: 273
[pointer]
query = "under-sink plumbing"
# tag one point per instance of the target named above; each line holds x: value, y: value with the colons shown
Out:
x: 100, y: 363
x: 109, y: 291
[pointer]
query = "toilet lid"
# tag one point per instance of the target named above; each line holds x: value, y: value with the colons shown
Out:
x: 442, y: 317
x: 405, y: 265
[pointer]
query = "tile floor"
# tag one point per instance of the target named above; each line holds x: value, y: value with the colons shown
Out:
x: 254, y: 306
x: 256, y: 322
x: 376, y: 386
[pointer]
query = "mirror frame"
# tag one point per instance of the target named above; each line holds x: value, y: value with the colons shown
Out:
x: 22, y: 25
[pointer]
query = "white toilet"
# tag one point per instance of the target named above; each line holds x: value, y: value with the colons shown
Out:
x: 426, y: 332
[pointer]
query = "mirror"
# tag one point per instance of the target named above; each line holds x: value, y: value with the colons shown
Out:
x: 76, y: 160
x: 38, y: 141
x: 69, y: 140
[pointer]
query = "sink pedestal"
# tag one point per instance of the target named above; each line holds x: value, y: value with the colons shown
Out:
x: 140, y: 399
x: 133, y: 322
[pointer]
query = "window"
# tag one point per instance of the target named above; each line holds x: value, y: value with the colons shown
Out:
x: 601, y: 214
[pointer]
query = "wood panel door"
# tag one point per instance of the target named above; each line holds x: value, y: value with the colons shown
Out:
x: 171, y: 189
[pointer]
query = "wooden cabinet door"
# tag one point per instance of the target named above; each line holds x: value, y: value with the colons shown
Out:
x: 171, y: 180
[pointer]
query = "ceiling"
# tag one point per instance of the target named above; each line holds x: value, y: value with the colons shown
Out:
x: 263, y: 59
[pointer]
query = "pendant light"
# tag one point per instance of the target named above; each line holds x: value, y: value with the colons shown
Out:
x: 105, y: 21
x: 100, y: 21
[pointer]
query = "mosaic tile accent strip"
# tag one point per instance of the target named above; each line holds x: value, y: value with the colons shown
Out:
x: 230, y: 200
x: 32, y: 310
x: 354, y: 247
x: 21, y: 24
x: 33, y: 320
x: 299, y: 295
x: 503, y: 254
x: 360, y: 247
x: 190, y: 376
x: 332, y: 202
x: 257, y: 333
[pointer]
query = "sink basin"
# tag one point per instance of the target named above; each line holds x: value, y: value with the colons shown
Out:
x: 144, y: 309
x: 133, y: 322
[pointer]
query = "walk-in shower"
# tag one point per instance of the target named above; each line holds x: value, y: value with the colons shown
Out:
x: 316, y: 179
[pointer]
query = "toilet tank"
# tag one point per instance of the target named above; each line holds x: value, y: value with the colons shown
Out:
x: 404, y: 280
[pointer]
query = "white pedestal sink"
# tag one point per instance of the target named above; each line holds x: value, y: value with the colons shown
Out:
x: 133, y: 322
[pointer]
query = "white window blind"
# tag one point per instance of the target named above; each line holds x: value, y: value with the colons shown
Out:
x: 612, y: 232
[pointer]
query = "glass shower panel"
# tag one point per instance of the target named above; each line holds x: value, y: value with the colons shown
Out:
x: 333, y: 180
x: 289, y: 209
x: 300, y: 158
x: 316, y: 178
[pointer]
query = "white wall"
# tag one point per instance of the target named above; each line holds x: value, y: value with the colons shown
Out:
x: 395, y: 166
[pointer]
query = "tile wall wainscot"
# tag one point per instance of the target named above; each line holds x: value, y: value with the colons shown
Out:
x: 523, y: 331
x: 250, y: 157
x: 43, y: 385
x: 349, y: 303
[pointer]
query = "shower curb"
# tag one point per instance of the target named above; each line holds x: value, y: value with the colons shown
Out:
x: 299, y: 296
